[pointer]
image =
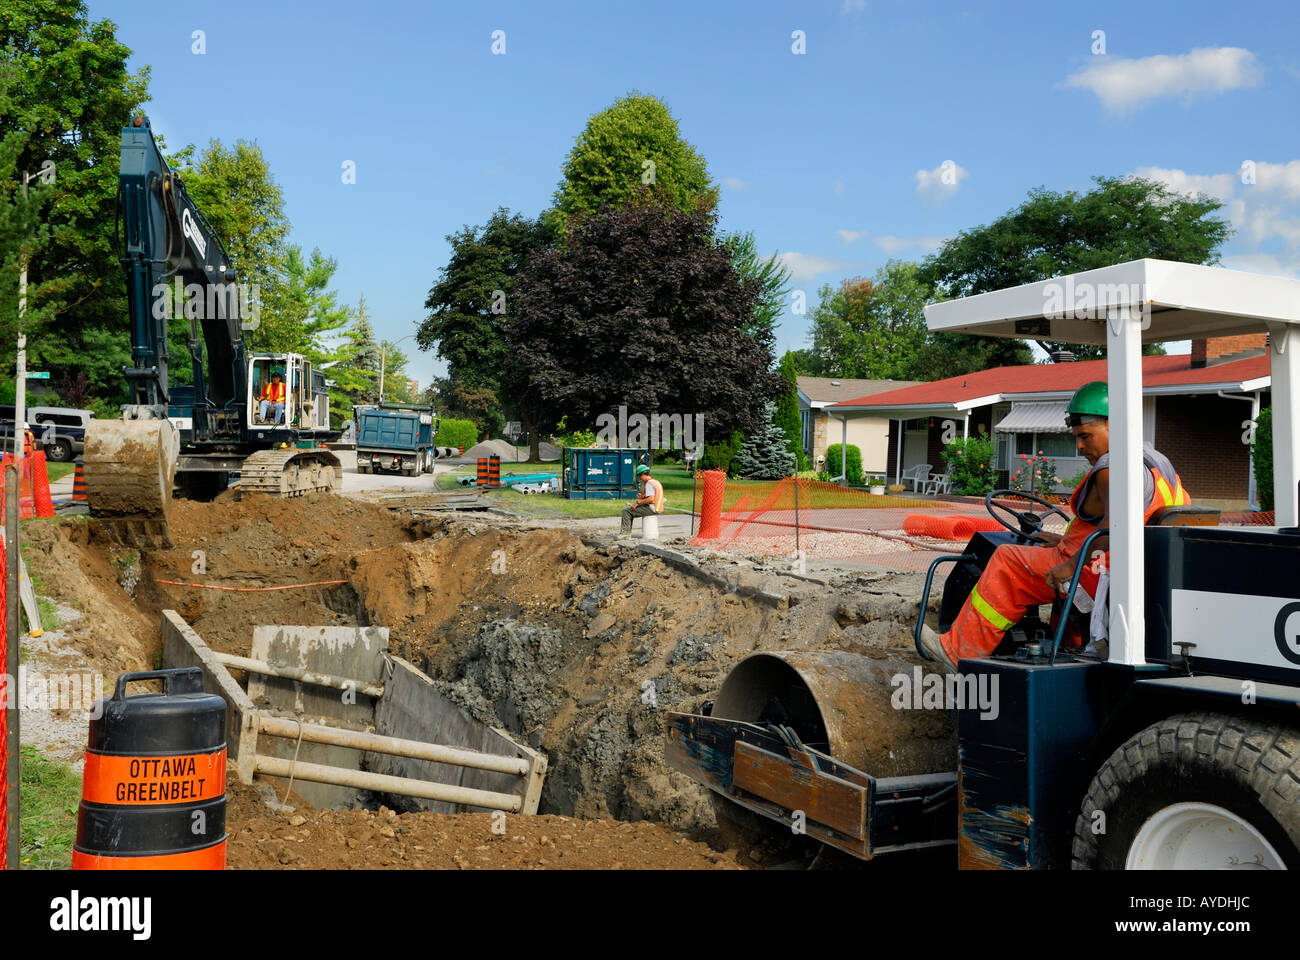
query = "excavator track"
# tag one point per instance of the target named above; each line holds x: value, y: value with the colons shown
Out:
x: 290, y: 473
x: 129, y: 468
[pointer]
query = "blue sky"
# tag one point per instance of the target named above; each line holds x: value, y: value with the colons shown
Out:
x: 899, y: 125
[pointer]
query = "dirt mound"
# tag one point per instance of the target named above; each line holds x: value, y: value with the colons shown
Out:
x: 493, y: 448
x: 305, y: 839
x: 548, y: 451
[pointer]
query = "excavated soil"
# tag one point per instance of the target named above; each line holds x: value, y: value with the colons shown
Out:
x: 261, y: 837
x: 569, y: 640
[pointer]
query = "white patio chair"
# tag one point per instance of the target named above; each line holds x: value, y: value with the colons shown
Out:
x: 916, y: 475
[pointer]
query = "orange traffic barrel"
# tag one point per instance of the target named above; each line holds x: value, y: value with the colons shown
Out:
x: 494, y: 471
x: 154, y: 790
x: 482, y: 477
x: 79, y: 483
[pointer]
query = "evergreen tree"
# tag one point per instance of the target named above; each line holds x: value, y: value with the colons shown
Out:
x: 765, y: 455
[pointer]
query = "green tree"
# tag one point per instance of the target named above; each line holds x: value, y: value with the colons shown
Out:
x: 773, y: 277
x: 397, y: 387
x: 633, y: 143
x: 72, y: 93
x: 302, y: 313
x: 23, y: 233
x: 1261, y: 452
x: 356, y: 372
x: 239, y: 197
x: 787, y: 410
x: 642, y: 307
x: 872, y: 329
x: 468, y: 306
x: 1054, y: 233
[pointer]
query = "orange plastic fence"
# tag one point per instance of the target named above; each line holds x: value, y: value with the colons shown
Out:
x: 4, y: 728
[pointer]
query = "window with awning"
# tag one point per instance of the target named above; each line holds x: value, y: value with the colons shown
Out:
x: 1035, y: 417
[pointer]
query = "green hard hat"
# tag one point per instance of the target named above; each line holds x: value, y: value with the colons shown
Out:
x: 642, y: 469
x: 1090, y: 400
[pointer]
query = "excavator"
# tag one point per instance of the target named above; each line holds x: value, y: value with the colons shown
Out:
x: 236, y: 418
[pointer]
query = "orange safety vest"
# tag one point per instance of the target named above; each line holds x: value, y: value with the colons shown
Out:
x: 655, y: 489
x: 1164, y: 496
x: 273, y: 391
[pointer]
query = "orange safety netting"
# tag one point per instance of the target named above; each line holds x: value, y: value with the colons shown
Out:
x: 4, y: 723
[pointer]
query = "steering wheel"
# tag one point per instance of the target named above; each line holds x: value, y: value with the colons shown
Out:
x: 1028, y: 524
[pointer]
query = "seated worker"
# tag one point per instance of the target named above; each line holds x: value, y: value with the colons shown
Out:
x: 272, y: 399
x: 1021, y: 576
x: 649, y: 502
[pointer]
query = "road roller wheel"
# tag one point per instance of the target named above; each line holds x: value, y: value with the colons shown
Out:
x: 760, y: 841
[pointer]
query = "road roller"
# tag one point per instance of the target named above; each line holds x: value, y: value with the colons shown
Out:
x: 1169, y: 740
x: 259, y: 420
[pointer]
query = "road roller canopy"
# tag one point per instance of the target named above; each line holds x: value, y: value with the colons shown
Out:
x: 1177, y: 301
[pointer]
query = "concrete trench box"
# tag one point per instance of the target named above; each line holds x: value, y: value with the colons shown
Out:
x: 354, y: 725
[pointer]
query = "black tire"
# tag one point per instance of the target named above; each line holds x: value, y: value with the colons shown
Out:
x: 59, y: 451
x: 1249, y: 767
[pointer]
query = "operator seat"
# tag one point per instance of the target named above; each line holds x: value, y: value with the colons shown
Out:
x: 1185, y: 515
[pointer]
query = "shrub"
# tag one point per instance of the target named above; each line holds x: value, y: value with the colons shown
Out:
x: 456, y: 433
x: 854, y: 463
x: 718, y: 456
x: 1035, y: 473
x: 1261, y: 451
x: 970, y: 465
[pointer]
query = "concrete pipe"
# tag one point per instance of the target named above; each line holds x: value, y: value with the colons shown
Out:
x: 843, y: 704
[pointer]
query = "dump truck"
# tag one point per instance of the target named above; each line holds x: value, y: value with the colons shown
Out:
x: 396, y: 437
x: 1178, y: 747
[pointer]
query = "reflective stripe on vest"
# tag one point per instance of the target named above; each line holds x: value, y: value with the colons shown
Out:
x: 985, y: 610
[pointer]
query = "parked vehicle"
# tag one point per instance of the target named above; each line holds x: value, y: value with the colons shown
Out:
x: 396, y: 437
x: 61, y: 431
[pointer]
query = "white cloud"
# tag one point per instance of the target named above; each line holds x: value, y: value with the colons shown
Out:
x: 1122, y: 84
x: 890, y: 243
x: 850, y: 236
x: 939, y: 184
x: 734, y: 183
x: 1283, y: 177
x: 1269, y: 264
x: 1218, y: 185
x: 1262, y: 213
x: 806, y: 266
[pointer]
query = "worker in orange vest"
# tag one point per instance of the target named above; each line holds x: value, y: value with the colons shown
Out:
x: 1020, y: 576
x: 650, y: 502
x: 272, y: 398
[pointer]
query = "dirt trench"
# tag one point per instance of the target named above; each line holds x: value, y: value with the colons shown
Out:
x: 570, y: 640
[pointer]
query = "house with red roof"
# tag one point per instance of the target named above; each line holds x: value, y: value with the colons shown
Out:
x: 1197, y: 410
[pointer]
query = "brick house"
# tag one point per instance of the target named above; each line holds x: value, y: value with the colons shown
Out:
x: 1196, y: 410
x: 820, y: 429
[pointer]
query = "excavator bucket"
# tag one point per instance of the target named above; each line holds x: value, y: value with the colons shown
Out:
x: 129, y: 467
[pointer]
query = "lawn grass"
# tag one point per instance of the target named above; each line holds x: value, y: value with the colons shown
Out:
x: 49, y: 792
x: 57, y: 471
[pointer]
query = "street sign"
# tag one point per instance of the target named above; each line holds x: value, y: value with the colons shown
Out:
x: 38, y: 374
